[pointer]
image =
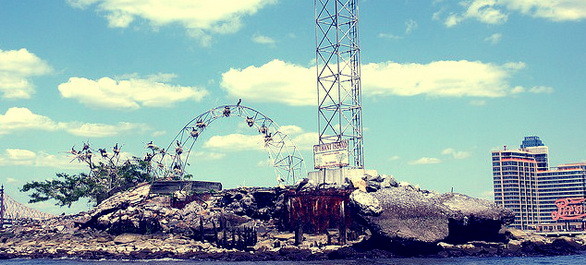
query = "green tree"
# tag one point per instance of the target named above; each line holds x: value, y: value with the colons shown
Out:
x: 108, y: 174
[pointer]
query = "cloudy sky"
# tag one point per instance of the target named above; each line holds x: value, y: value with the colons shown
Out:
x: 444, y: 83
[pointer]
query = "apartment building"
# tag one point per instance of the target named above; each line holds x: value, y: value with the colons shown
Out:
x: 543, y: 198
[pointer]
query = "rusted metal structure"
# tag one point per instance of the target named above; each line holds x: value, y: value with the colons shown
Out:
x: 317, y: 211
x: 2, y: 208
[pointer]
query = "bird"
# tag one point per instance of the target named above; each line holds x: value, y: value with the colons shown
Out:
x: 302, y: 184
x: 148, y: 157
x: 179, y: 148
x: 239, y: 101
x: 116, y: 149
x: 103, y: 152
x: 151, y: 146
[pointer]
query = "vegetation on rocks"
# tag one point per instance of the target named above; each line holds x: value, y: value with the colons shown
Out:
x: 108, y: 173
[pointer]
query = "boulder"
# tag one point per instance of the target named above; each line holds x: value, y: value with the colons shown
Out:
x: 388, y: 182
x: 118, y: 201
x: 414, y: 217
x: 469, y: 206
x: 357, y: 182
x: 365, y: 203
x: 407, y: 215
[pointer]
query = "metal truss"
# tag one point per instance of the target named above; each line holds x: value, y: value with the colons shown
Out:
x: 283, y: 154
x: 11, y: 210
x: 338, y: 75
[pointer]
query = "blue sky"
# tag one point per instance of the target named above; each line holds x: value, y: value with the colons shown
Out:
x: 444, y: 83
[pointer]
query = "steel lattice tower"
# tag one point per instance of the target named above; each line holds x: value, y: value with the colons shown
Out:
x: 338, y: 75
x: 2, y: 207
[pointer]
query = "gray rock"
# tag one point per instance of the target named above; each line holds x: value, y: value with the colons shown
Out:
x: 365, y: 203
x: 468, y: 206
x: 376, y: 178
x: 127, y: 238
x: 372, y: 186
x: 388, y: 182
x: 411, y: 215
x: 408, y: 215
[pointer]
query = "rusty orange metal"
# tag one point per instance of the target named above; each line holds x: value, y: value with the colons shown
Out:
x: 317, y: 211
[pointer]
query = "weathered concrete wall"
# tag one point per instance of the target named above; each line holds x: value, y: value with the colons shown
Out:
x: 337, y: 176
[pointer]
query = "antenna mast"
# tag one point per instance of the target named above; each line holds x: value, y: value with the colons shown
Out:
x: 338, y: 75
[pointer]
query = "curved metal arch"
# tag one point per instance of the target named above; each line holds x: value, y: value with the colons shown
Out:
x: 283, y: 154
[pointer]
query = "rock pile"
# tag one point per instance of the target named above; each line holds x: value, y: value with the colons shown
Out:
x: 410, y: 221
x: 390, y: 219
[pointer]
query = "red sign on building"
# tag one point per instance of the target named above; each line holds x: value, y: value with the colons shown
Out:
x: 569, y: 209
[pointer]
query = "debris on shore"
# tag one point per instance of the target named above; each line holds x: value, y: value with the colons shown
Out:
x: 380, y: 220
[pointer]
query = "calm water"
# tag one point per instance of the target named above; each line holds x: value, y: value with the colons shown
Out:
x: 576, y: 259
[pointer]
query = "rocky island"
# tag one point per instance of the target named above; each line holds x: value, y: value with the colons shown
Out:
x: 383, y: 219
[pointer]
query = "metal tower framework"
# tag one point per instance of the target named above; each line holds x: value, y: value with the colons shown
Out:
x: 338, y: 75
x: 2, y: 208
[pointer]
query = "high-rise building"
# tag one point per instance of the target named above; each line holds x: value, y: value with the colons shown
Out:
x: 541, y: 197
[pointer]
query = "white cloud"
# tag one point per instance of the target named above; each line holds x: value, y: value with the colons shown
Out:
x: 209, y: 155
x: 494, y: 38
x: 17, y: 157
x: 295, y: 85
x: 497, y: 11
x: 276, y: 81
x: 440, y: 78
x: 389, y: 36
x: 484, y: 11
x: 291, y: 130
x: 11, y: 180
x: 395, y: 157
x: 425, y: 161
x: 306, y: 141
x: 104, y: 130
x: 261, y: 39
x: 24, y: 119
x: 20, y: 154
x: 200, y: 18
x: 541, y: 90
x: 19, y: 119
x: 554, y: 10
x: 456, y: 154
x: 301, y: 139
x: 58, y: 161
x: 23, y: 157
x: 241, y: 142
x: 235, y: 142
x: 131, y: 93
x: 159, y: 133
x: 410, y: 26
x: 16, y: 68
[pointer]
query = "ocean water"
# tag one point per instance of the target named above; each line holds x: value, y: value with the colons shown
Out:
x: 569, y: 260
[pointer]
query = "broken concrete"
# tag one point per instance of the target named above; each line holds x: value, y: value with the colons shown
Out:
x: 394, y: 220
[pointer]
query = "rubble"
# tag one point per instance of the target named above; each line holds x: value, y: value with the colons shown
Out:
x: 390, y: 219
